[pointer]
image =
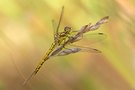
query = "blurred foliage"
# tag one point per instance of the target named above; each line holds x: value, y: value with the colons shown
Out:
x: 26, y: 33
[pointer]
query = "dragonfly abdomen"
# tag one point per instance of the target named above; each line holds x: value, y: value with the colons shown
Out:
x: 46, y: 57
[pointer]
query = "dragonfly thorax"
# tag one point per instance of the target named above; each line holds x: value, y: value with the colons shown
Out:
x: 62, y: 36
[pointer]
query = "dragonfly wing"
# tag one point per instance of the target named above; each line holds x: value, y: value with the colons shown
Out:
x: 62, y: 12
x: 69, y: 51
x: 54, y: 28
x: 78, y: 49
x: 90, y: 50
x: 86, y: 49
x: 91, y: 38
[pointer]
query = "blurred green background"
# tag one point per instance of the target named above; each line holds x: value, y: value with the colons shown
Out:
x: 26, y: 33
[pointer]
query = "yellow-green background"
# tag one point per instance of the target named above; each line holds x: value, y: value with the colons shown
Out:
x: 26, y: 33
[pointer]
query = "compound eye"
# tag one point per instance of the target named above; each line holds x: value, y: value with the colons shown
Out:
x: 67, y: 28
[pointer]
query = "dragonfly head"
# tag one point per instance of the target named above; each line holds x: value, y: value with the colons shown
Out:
x: 67, y: 29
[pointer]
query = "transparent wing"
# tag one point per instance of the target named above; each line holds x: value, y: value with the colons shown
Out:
x: 77, y: 49
x: 56, y: 28
x: 90, y: 38
x: 86, y: 49
x: 62, y: 12
x: 68, y: 51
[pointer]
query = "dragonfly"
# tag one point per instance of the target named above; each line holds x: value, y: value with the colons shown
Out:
x: 65, y: 38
